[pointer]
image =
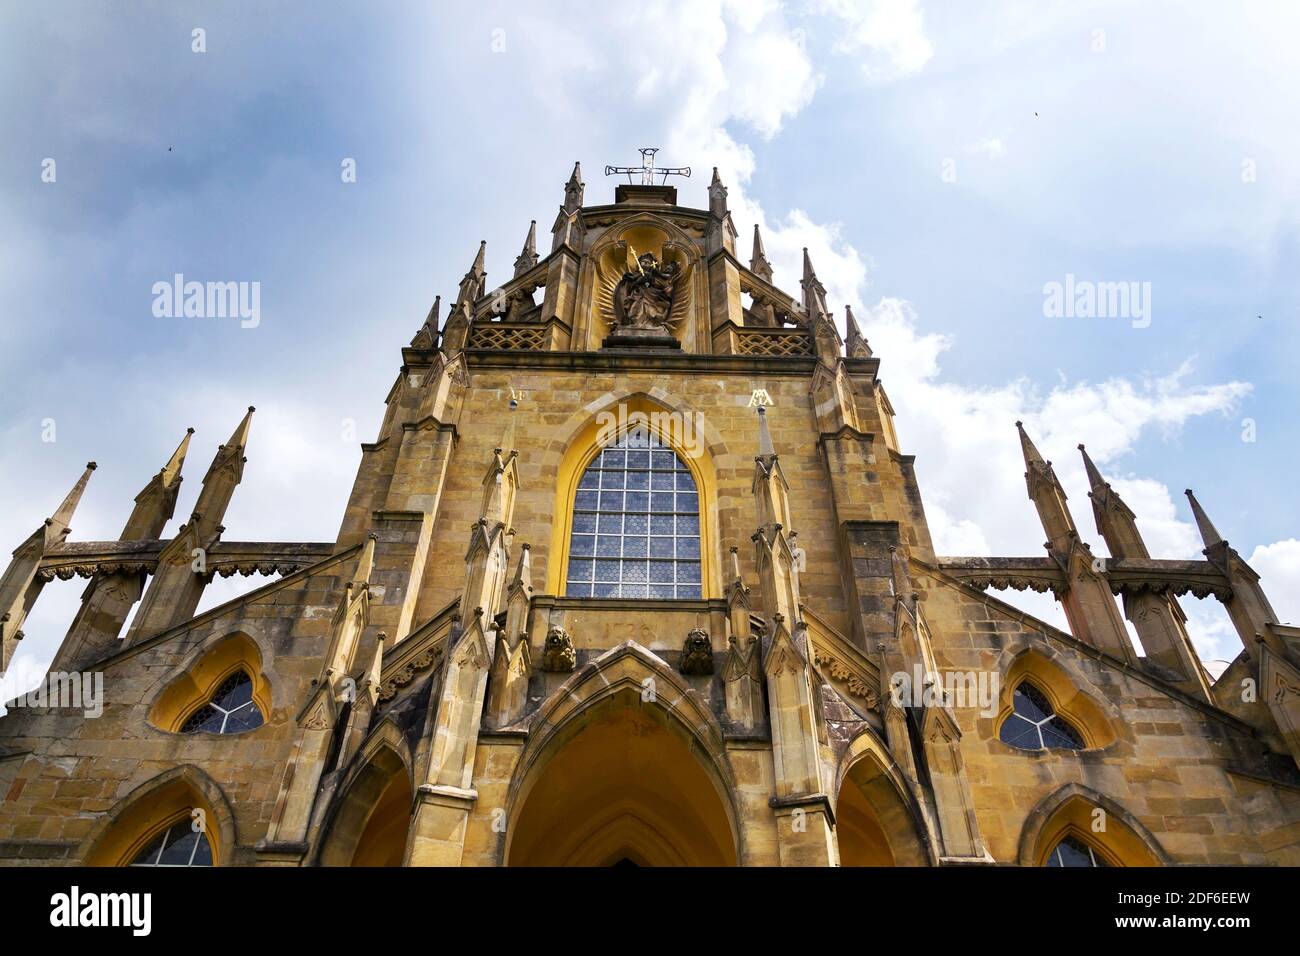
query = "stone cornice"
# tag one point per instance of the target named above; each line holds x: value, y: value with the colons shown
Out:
x: 222, y: 609
x: 628, y: 209
x: 629, y: 604
x: 642, y: 360
x: 88, y: 558
x: 1128, y: 576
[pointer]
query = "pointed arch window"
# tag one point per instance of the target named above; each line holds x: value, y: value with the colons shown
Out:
x: 178, y: 844
x: 230, y: 710
x: 1033, y: 723
x: 1074, y: 852
x: 636, y: 523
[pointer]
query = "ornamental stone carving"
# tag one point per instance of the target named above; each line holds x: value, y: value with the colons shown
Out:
x: 559, y: 656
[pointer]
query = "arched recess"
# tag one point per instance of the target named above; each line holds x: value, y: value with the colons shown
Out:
x: 1064, y: 692
x: 1072, y: 811
x: 676, y: 426
x: 877, y: 821
x: 625, y: 764
x: 184, y: 792
x: 371, y: 816
x: 606, y: 261
x: 194, y: 685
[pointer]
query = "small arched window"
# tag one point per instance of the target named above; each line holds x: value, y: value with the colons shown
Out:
x: 1071, y: 851
x: 230, y: 710
x: 178, y: 844
x: 636, y: 523
x: 1033, y: 723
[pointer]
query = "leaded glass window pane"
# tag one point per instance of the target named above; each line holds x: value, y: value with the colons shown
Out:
x: 179, y: 845
x: 230, y: 711
x: 1072, y: 852
x: 637, y: 512
x: 1034, y: 725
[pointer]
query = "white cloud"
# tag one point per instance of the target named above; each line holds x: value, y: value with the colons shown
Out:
x: 707, y: 71
x: 969, y: 460
x: 1278, y: 566
x: 891, y: 32
x: 991, y: 148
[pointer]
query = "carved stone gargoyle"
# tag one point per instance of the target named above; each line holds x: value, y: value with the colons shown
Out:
x: 558, y: 654
x: 697, y: 653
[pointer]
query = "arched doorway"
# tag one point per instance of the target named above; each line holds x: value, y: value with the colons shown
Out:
x: 874, y: 825
x: 622, y: 784
x: 370, y: 826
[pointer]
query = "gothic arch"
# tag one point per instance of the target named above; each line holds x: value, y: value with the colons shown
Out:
x: 1071, y: 695
x: 643, y: 220
x: 1069, y: 811
x: 877, y: 819
x: 609, y: 417
x: 136, y: 819
x: 191, y: 683
x: 368, y: 821
x: 628, y: 749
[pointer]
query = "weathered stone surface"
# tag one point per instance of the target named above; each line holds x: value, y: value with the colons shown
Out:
x: 498, y: 708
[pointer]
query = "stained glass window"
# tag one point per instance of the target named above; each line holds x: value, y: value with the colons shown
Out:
x: 1072, y: 852
x: 636, y: 524
x: 1034, y: 725
x: 178, y: 845
x: 230, y: 711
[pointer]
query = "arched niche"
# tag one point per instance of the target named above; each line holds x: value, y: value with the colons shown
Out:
x: 199, y: 679
x: 135, y: 821
x: 371, y: 818
x: 876, y: 820
x: 1072, y: 811
x: 612, y: 254
x: 623, y: 771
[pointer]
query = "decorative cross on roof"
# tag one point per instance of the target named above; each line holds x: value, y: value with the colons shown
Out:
x: 648, y: 169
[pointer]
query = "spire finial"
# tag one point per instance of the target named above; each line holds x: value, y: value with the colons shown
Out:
x: 472, y: 283
x: 814, y: 293
x: 758, y: 263
x: 1032, y: 456
x: 856, y: 344
x: 62, y: 516
x: 528, y: 255
x: 765, y: 447
x: 717, y: 197
x: 573, y: 190
x: 1209, y: 533
x: 240, y: 437
x: 172, y: 470
x: 365, y: 563
x: 1095, y: 481
x: 427, y: 335
x: 508, y: 439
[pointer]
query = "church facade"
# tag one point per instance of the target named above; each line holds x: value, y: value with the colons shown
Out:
x: 637, y: 571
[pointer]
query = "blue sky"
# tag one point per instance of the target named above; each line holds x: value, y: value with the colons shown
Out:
x: 943, y: 162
